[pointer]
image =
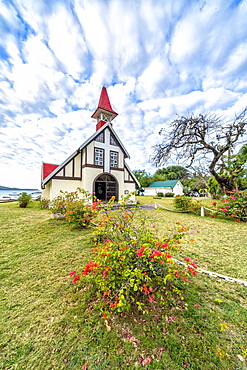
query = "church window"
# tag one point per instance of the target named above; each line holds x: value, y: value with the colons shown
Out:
x: 100, y: 138
x: 98, y: 156
x: 113, y: 141
x: 114, y: 159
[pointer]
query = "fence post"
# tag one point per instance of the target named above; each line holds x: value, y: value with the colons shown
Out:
x: 155, y: 205
x: 202, y: 211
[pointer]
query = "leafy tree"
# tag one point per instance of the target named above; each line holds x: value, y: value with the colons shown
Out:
x: 204, y: 137
x: 159, y: 177
x: 174, y: 172
x: 213, y: 188
x: 143, y: 177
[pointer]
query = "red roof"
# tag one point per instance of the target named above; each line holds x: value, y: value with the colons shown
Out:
x: 104, y: 103
x: 47, y: 169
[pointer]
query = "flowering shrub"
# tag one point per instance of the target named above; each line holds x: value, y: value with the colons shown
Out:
x: 80, y: 215
x: 182, y: 203
x: 132, y: 266
x: 44, y: 203
x: 60, y: 203
x: 187, y: 204
x: 234, y: 206
x: 79, y: 212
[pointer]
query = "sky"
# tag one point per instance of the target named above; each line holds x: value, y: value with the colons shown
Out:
x: 156, y: 58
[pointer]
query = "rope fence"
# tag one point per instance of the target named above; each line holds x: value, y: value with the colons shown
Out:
x: 157, y: 205
x: 202, y: 271
x: 215, y: 274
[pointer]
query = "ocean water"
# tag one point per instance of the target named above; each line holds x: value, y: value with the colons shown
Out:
x: 7, y: 192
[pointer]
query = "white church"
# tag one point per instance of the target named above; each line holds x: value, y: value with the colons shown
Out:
x: 98, y: 165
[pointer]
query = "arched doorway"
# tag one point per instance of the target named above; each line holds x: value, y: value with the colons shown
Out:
x: 106, y: 187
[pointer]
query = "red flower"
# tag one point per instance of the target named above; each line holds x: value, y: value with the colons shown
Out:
x: 165, y: 245
x: 187, y: 259
x: 72, y: 273
x: 105, y: 272
x: 77, y: 277
x: 156, y: 252
x: 191, y: 270
x: 145, y: 288
x: 140, y: 252
x: 90, y: 267
x: 193, y: 264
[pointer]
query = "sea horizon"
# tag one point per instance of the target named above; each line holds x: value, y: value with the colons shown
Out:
x: 6, y: 192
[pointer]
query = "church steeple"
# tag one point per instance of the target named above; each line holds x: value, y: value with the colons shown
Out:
x: 104, y: 113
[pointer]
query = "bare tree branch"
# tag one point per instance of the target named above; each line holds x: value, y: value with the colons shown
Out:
x: 203, y: 136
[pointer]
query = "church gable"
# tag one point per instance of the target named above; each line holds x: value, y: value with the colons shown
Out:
x: 70, y: 170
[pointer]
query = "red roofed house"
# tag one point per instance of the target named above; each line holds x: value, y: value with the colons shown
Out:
x: 97, y: 166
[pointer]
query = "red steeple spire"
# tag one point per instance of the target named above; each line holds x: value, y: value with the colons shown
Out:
x: 104, y: 113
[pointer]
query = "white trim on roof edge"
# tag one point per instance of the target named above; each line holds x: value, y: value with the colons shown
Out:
x: 107, y: 125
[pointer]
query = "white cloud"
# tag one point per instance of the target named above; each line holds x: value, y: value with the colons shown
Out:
x: 66, y: 41
x: 157, y: 58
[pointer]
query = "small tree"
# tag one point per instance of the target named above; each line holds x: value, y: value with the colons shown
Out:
x: 24, y: 199
x: 204, y: 137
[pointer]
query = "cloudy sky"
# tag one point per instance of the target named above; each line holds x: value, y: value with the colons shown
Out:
x: 157, y: 58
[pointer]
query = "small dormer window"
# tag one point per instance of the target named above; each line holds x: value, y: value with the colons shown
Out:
x: 113, y: 141
x: 100, y: 138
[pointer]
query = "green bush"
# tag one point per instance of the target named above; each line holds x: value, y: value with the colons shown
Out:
x: 160, y: 194
x: 24, y: 199
x: 44, y: 203
x: 132, y: 267
x: 169, y: 195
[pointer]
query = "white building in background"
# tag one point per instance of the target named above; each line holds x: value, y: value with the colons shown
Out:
x: 170, y: 186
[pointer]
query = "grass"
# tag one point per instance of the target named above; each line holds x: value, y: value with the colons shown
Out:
x: 47, y: 323
x: 220, y: 244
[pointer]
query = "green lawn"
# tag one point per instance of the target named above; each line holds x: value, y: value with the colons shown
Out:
x: 46, y: 322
